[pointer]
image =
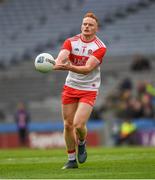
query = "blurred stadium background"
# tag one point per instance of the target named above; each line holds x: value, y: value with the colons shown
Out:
x: 124, y: 112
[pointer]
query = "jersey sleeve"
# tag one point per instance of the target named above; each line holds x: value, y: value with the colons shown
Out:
x: 99, y: 53
x: 67, y: 45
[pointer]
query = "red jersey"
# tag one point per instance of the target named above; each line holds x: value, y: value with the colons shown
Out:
x: 80, y: 51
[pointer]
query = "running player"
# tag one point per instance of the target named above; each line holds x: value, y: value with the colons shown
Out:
x: 81, y: 55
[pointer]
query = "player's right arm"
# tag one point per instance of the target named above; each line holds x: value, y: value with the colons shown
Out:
x: 62, y: 58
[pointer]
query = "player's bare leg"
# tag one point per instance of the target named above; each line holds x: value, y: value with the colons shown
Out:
x: 68, y: 112
x: 80, y: 119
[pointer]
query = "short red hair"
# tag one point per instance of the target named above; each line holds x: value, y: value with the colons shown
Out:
x: 93, y: 16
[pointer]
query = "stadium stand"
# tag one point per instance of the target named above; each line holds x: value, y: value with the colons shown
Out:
x: 134, y: 34
x: 30, y: 27
x: 22, y: 21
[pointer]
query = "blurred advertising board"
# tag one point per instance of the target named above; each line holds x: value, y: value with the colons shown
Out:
x: 47, y: 135
x: 146, y: 138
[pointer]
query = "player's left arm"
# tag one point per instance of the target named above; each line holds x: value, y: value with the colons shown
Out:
x: 91, y: 64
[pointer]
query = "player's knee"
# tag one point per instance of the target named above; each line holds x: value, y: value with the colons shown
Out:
x: 68, y: 126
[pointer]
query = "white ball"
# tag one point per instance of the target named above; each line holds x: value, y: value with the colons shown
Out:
x: 44, y: 62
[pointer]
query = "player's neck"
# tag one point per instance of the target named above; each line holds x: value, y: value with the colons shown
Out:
x: 87, y: 38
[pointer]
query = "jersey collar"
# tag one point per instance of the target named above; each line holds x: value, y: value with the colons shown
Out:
x: 87, y: 41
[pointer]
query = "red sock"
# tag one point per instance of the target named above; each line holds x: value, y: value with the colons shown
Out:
x: 71, y: 155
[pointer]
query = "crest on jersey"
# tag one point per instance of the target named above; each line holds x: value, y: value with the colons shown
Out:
x: 90, y: 51
x: 83, y: 49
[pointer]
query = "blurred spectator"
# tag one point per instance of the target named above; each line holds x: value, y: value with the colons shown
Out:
x: 126, y: 84
x: 150, y: 89
x: 145, y: 94
x: 125, y: 95
x: 22, y: 119
x: 148, y: 111
x: 141, y: 88
x: 130, y: 109
x: 126, y: 134
x: 140, y: 63
x: 134, y: 109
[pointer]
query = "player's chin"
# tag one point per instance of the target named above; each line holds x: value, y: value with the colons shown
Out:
x: 86, y: 33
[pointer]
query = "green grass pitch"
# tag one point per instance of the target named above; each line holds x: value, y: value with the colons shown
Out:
x: 102, y: 163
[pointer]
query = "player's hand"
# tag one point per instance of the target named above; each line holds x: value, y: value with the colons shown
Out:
x: 64, y: 65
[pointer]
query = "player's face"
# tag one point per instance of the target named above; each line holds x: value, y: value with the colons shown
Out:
x: 89, y: 26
